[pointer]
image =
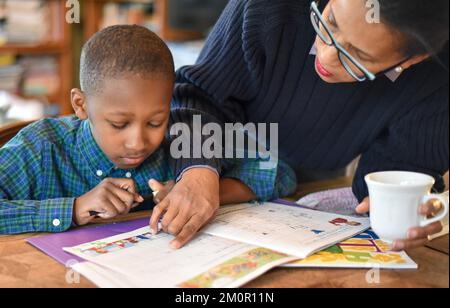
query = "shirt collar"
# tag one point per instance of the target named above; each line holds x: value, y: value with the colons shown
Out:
x: 393, y: 75
x: 97, y: 160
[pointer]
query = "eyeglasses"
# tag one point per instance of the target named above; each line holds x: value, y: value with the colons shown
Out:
x: 351, y: 65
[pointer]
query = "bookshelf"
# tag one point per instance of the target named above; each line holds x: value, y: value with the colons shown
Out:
x: 94, y: 9
x: 57, y: 45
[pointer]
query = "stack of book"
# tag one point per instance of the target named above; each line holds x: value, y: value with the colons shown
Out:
x: 137, y: 12
x: 41, y: 76
x: 10, y: 74
x: 25, y: 21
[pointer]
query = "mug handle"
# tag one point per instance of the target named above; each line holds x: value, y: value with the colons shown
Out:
x: 443, y: 198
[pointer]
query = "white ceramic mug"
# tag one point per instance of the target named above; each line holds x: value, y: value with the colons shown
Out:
x: 395, y: 198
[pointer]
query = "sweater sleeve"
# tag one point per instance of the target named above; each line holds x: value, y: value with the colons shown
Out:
x: 417, y: 142
x: 223, y: 79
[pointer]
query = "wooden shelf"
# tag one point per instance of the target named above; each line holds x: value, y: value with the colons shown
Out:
x: 46, y: 48
x: 94, y: 10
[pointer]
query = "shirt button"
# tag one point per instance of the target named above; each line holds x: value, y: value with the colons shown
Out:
x: 56, y: 222
x: 128, y: 175
x: 99, y: 172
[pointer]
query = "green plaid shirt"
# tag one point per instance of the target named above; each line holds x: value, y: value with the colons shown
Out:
x: 53, y: 161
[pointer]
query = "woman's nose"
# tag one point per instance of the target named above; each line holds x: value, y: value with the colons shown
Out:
x: 329, y: 56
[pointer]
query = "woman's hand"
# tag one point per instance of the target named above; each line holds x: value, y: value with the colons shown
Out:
x: 188, y: 206
x: 417, y: 237
x: 232, y: 191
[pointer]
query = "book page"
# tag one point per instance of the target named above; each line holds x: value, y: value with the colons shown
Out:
x: 148, y: 261
x: 288, y: 229
x: 104, y: 277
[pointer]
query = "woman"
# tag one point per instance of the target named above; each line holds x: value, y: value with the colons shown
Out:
x: 340, y: 82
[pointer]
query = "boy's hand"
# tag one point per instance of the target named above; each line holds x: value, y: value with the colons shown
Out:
x: 161, y: 189
x: 110, y: 198
x: 417, y: 237
x: 191, y: 203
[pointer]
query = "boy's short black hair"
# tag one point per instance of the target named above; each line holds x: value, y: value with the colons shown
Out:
x: 119, y: 50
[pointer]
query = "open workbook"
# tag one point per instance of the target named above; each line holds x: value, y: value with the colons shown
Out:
x: 243, y: 242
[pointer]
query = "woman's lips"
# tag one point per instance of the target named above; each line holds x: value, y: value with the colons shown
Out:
x: 321, y: 70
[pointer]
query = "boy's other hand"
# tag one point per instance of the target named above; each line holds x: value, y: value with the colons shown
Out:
x: 161, y: 189
x: 110, y: 198
x: 191, y: 204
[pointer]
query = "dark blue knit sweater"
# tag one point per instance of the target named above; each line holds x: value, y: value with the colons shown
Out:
x: 256, y: 67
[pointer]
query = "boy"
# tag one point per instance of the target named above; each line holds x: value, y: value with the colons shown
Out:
x: 58, y: 172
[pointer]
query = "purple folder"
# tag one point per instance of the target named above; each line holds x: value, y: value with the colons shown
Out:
x: 53, y: 245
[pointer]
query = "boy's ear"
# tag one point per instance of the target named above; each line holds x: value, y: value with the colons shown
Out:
x: 78, y: 100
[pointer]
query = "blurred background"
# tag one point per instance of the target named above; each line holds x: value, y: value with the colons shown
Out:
x: 39, y: 50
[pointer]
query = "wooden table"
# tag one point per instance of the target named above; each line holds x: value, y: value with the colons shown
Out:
x: 21, y: 265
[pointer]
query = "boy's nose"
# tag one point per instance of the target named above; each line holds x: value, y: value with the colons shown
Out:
x: 137, y: 143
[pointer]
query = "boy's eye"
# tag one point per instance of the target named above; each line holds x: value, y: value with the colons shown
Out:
x: 154, y: 125
x: 118, y: 125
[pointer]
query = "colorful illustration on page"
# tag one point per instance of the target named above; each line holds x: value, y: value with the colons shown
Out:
x: 234, y: 269
x: 99, y: 248
x: 364, y: 250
